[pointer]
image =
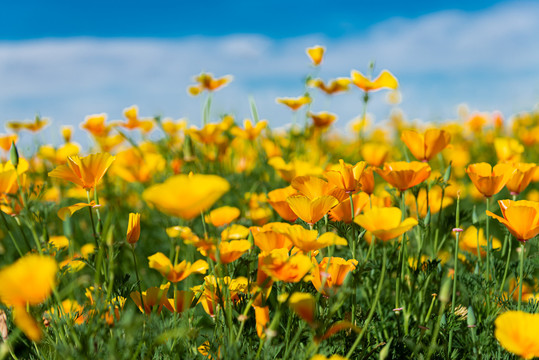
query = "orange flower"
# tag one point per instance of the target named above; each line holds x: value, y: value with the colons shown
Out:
x: 425, y: 146
x: 384, y: 80
x: 250, y: 132
x: 404, y: 175
x: 521, y: 178
x: 222, y: 216
x: 133, y: 121
x: 374, y: 154
x: 342, y: 212
x: 277, y: 200
x: 133, y: 165
x: 303, y: 304
x: 179, y: 272
x: 508, y: 149
x: 385, y: 223
x: 316, y: 54
x: 85, y: 171
x: 334, y: 86
x: 288, y: 268
x: 207, y: 82
x: 133, y: 228
x: 309, y: 210
x: 262, y: 319
x: 182, y: 301
x: 367, y: 180
x: 294, y: 103
x: 328, y: 278
x: 313, y: 187
x: 347, y: 177
x: 154, y: 296
x: 33, y: 126
x: 517, y: 333
x: 488, y: 180
x: 7, y: 140
x: 229, y: 251
x: 95, y: 124
x: 471, y: 238
x: 271, y: 236
x: 308, y: 240
x: 322, y: 120
x: 521, y: 218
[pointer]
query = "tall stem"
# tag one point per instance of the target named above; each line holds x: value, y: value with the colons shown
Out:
x: 521, y: 280
x: 453, y: 298
x: 488, y: 242
x: 138, y: 279
x: 353, y: 227
x: 92, y: 218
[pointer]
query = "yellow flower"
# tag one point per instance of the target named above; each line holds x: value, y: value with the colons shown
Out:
x: 374, y: 154
x: 186, y: 196
x: 154, y: 296
x: 384, y: 80
x: 182, y: 301
x: 294, y: 103
x: 342, y: 212
x: 95, y: 125
x: 86, y: 171
x: 179, y: 272
x: 222, y: 216
x: 425, y: 146
x: 308, y: 240
x: 333, y: 87
x: 280, y: 265
x: 207, y: 82
x: 385, y: 223
x: 277, y: 200
x: 303, y: 304
x: 521, y: 178
x: 517, y: 333
x: 470, y: 239
x: 328, y: 278
x: 508, y: 149
x: 316, y: 54
x: 133, y: 121
x: 28, y: 281
x: 250, y: 132
x: 133, y: 228
x: 33, y: 126
x: 7, y: 140
x: 347, y: 176
x: 272, y: 236
x: 234, y: 232
x: 133, y: 165
x: 309, y: 210
x: 322, y: 120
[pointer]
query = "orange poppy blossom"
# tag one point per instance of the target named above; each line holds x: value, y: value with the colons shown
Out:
x: 28, y: 281
x: 311, y: 210
x: 316, y: 54
x: 181, y: 301
x: 303, y: 304
x: 34, y: 126
x: 314, y: 187
x: 7, y: 140
x: 133, y: 228
x: 308, y: 240
x: 521, y: 178
x: 323, y: 119
x: 271, y: 236
x: 262, y: 319
x: 133, y: 121
x: 294, y: 103
x: 249, y: 132
x: 374, y: 153
x: 404, y: 175
x: 384, y: 80
x: 471, y: 239
x: 84, y: 171
x: 133, y: 165
x: 222, y: 216
x: 425, y: 146
x: 206, y: 82
x: 186, y: 196
x: 521, y: 218
x: 234, y: 232
x: 489, y: 180
x: 279, y: 264
x: 328, y: 278
x: 179, y: 272
x: 334, y: 86
x: 211, y: 291
x: 153, y: 297
x: 366, y: 180
x: 229, y: 251
x: 343, y: 212
x: 508, y: 149
x: 517, y: 333
x: 347, y: 176
x: 385, y: 223
x: 277, y: 200
x: 95, y: 125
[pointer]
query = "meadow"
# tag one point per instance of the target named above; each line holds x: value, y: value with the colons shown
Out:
x: 233, y: 240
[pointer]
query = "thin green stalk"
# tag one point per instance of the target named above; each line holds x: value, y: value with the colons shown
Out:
x: 506, y: 267
x: 521, y: 280
x: 92, y: 218
x: 453, y: 298
x: 401, y: 254
x: 10, y: 233
x: 353, y: 228
x: 138, y: 278
x: 488, y: 242
x: 373, y: 306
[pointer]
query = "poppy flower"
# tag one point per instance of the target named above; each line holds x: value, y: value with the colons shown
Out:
x: 316, y: 54
x: 277, y: 200
x: 385, y: 223
x: 229, y: 251
x: 347, y: 176
x: 222, y: 216
x: 153, y: 297
x: 489, y: 180
x: 425, y: 146
x: 86, y: 171
x: 374, y: 154
x: 311, y: 210
x: 206, y: 82
x: 404, y: 175
x: 334, y: 86
x: 521, y: 218
x: 471, y: 239
x: 7, y: 140
x: 308, y: 240
x: 185, y: 196
x: 384, y: 80
x: 327, y: 278
x: 34, y: 126
x: 313, y: 187
x: 323, y: 119
x: 342, y: 212
x: 517, y: 333
x: 521, y: 178
x: 182, y: 301
x: 280, y: 265
x: 179, y: 272
x: 133, y: 121
x: 249, y: 132
x: 272, y: 236
x: 508, y: 149
x: 366, y: 180
x: 234, y: 232
x: 28, y: 281
x: 303, y: 304
x: 295, y: 167
x: 95, y: 125
x: 262, y: 320
x: 211, y: 291
x: 134, y: 165
x: 294, y: 103
x: 133, y: 228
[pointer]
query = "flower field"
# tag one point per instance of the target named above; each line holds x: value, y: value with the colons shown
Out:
x: 233, y: 240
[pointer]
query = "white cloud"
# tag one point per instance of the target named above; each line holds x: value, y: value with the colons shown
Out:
x: 487, y: 58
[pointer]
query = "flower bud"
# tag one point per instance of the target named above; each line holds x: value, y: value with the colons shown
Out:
x: 133, y: 228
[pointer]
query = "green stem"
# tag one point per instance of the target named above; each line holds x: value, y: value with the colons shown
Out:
x: 453, y: 298
x: 11, y: 234
x: 506, y: 267
x: 138, y: 279
x: 353, y: 228
x: 92, y: 219
x: 373, y: 307
x: 521, y: 280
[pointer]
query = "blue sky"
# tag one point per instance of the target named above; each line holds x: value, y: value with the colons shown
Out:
x: 69, y: 59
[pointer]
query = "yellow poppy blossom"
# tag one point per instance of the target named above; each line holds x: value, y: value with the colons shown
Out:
x: 86, y: 171
x: 489, y: 180
x: 517, y: 333
x: 162, y: 263
x: 277, y: 200
x: 425, y: 146
x: 133, y: 228
x: 404, y: 175
x: 154, y: 296
x: 346, y: 177
x: 222, y: 216
x: 521, y: 218
x: 333, y: 87
x: 309, y: 210
x: 308, y: 240
x: 294, y: 103
x: 384, y: 80
x: 280, y: 265
x: 328, y: 278
x: 385, y: 223
x: 316, y: 54
x: 323, y: 119
x: 206, y: 82
x: 521, y: 178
